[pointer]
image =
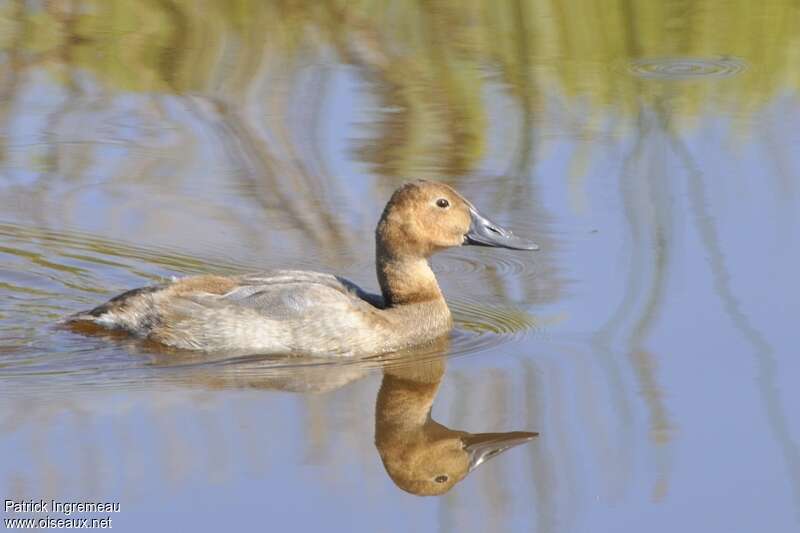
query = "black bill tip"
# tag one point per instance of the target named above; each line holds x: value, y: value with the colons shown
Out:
x: 484, y: 232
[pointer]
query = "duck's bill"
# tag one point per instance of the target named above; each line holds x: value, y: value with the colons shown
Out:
x: 484, y: 446
x: 484, y: 232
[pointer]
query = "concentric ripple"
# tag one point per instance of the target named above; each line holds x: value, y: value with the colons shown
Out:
x: 686, y: 68
x: 480, y: 326
x: 505, y: 264
x: 483, y: 318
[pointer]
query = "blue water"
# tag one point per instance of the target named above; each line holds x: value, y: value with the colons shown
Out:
x: 652, y: 342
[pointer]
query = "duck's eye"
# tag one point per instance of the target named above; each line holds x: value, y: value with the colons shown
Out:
x: 442, y: 478
x: 443, y: 203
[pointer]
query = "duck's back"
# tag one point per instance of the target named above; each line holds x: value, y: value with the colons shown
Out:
x: 273, y: 312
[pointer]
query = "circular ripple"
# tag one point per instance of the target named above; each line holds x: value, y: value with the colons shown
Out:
x: 482, y: 318
x: 480, y: 327
x: 498, y: 264
x: 685, y: 68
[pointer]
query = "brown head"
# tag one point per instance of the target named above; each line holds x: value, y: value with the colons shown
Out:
x: 422, y: 218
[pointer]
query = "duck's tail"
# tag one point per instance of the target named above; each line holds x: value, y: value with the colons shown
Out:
x: 131, y: 311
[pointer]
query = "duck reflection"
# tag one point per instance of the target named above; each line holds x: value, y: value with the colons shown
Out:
x: 304, y: 375
x: 421, y: 455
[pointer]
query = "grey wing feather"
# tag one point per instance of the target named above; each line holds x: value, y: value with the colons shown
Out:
x: 297, y: 294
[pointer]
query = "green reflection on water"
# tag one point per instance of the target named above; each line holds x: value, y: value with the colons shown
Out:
x: 429, y: 64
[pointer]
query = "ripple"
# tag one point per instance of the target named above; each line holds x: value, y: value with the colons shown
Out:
x: 482, y: 318
x: 499, y: 264
x: 686, y: 68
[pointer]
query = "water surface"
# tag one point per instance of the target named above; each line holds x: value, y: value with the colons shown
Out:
x: 652, y: 342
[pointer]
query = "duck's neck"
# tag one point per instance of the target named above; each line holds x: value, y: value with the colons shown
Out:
x: 406, y: 279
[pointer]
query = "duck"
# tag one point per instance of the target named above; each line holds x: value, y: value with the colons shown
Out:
x: 420, y: 455
x: 310, y: 313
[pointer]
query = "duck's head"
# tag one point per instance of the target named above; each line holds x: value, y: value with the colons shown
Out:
x: 423, y: 217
